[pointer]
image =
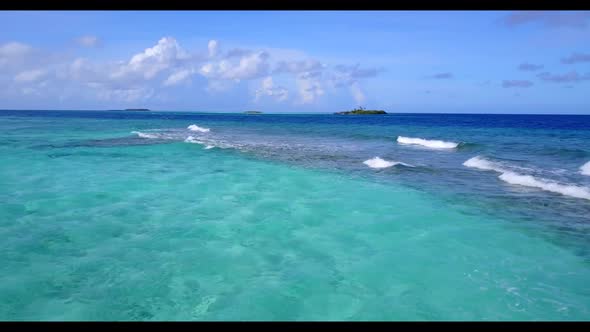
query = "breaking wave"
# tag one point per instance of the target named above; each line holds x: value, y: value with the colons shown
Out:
x: 145, y: 135
x: 531, y: 181
x: 585, y: 169
x: 514, y: 178
x: 483, y: 164
x: 194, y: 127
x: 432, y: 144
x: 191, y: 139
x: 377, y: 162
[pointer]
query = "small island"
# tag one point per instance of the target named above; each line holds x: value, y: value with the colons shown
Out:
x: 361, y: 111
x: 252, y: 112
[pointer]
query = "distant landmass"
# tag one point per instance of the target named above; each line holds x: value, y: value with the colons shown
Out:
x: 252, y: 112
x: 361, y: 111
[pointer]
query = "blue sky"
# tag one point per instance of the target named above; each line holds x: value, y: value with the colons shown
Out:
x: 297, y: 61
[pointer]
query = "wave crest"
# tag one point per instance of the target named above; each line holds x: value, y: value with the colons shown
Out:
x: 144, y: 135
x: 531, y: 181
x: 194, y: 127
x: 585, y: 169
x: 191, y: 139
x: 432, y: 144
x: 514, y: 178
x: 377, y: 162
x: 483, y: 164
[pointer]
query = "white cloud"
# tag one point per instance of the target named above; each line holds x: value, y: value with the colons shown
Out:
x: 237, y: 52
x: 249, y: 66
x: 178, y: 77
x: 77, y: 67
x: 308, y: 76
x: 212, y: 47
x: 13, y: 54
x: 14, y: 49
x: 357, y: 93
x: 29, y: 75
x: 167, y: 64
x: 167, y: 49
x: 298, y: 66
x: 88, y: 41
x: 165, y: 54
x: 269, y: 89
x: 310, y: 87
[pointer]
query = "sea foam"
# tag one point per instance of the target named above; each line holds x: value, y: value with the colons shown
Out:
x: 483, y: 164
x: 432, y: 144
x: 585, y: 169
x: 528, y: 180
x: 191, y: 139
x: 531, y: 181
x: 377, y: 162
x: 144, y: 135
x: 194, y: 127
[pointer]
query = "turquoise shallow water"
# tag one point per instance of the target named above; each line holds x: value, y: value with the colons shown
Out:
x: 281, y: 220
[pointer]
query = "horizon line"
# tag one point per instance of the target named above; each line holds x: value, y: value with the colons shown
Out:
x: 276, y: 113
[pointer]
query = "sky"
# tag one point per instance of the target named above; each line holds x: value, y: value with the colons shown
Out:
x: 297, y: 61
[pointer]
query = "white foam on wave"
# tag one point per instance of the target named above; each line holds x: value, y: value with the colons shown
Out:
x: 483, y: 164
x: 144, y: 135
x: 531, y: 181
x: 377, y: 162
x: 528, y: 180
x: 432, y: 144
x: 194, y: 127
x: 585, y: 169
x: 191, y: 139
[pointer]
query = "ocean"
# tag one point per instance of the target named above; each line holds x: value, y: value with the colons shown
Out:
x: 108, y: 215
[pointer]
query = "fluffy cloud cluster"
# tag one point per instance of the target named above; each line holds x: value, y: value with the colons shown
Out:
x: 268, y: 88
x: 14, y: 55
x: 248, y: 66
x: 135, y: 79
x: 167, y: 65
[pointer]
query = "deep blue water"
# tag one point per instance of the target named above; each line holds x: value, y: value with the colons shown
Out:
x: 537, y: 121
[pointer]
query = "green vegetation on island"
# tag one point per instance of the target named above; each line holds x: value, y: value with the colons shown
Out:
x: 361, y: 111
